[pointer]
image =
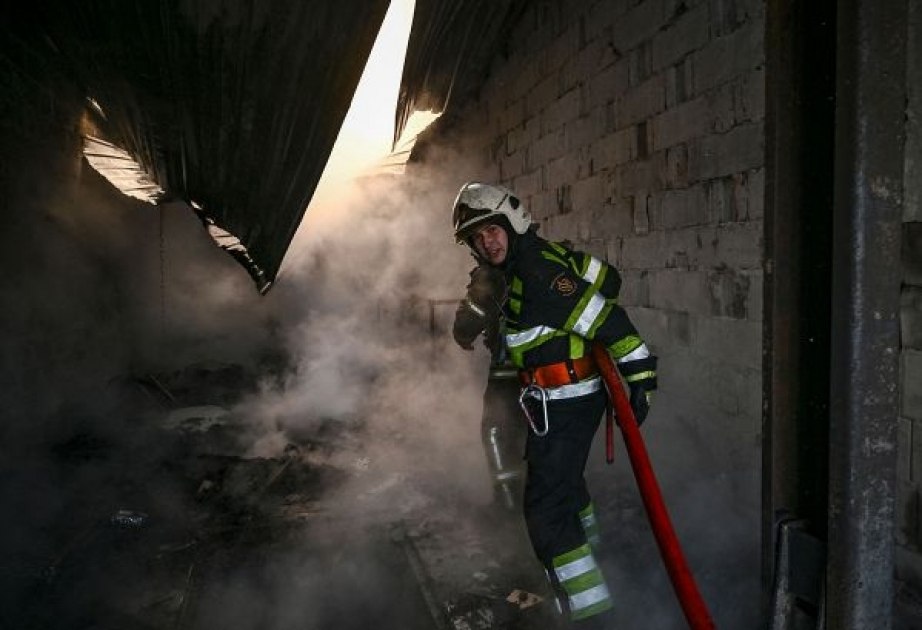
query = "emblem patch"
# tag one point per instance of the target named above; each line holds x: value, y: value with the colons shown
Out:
x: 564, y: 285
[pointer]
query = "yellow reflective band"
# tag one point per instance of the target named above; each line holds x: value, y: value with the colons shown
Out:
x: 570, y: 556
x: 528, y: 335
x: 640, y: 352
x: 590, y: 602
x: 602, y: 318
x: 581, y: 579
x: 576, y: 568
x: 633, y: 378
x: 553, y: 258
x: 589, y: 315
x: 623, y: 346
x: 577, y: 347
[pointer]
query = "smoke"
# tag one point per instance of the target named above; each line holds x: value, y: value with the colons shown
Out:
x: 367, y: 267
x: 99, y: 286
x: 363, y: 288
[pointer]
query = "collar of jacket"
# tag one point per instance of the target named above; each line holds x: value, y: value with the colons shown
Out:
x: 519, y: 248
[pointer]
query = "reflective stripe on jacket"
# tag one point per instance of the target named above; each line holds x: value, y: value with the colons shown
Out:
x: 559, y: 299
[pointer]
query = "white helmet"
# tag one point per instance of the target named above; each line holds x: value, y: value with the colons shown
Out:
x: 479, y: 204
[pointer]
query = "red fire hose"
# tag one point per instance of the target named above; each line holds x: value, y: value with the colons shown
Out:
x: 696, y: 612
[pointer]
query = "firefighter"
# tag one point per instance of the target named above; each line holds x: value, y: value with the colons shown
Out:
x: 501, y: 428
x: 556, y: 303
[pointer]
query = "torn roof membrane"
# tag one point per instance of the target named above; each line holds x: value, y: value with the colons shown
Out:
x: 122, y: 170
x: 234, y: 104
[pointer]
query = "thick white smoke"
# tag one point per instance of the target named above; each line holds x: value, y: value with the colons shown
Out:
x: 103, y: 287
x: 368, y: 276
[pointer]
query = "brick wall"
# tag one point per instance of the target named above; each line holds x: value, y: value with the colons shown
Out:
x: 909, y: 517
x: 635, y: 130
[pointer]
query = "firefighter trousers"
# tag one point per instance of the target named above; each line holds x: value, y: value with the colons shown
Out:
x: 556, y: 492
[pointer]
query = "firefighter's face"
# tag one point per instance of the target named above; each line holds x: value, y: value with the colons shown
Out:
x: 492, y: 243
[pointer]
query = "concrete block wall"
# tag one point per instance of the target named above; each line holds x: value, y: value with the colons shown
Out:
x: 634, y: 129
x: 909, y: 471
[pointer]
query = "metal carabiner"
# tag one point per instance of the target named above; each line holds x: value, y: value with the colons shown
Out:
x: 542, y: 396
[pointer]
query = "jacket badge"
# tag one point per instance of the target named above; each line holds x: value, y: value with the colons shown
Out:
x: 564, y: 285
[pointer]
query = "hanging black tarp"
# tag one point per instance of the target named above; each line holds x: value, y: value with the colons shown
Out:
x: 450, y: 50
x: 231, y: 104
x: 234, y: 105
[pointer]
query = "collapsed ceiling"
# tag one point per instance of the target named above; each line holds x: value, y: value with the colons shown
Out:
x: 233, y: 106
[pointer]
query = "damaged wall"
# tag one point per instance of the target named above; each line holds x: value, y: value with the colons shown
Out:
x: 909, y: 501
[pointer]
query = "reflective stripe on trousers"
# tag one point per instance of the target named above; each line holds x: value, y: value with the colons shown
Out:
x: 582, y: 581
x: 591, y: 526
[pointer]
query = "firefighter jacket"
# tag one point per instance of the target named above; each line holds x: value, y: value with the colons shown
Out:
x: 558, y: 301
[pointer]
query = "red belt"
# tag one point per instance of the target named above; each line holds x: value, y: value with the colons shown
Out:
x: 562, y: 373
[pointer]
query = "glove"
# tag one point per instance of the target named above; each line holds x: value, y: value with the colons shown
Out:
x: 640, y: 375
x: 480, y: 308
x: 468, y: 324
x: 640, y: 402
x: 487, y: 289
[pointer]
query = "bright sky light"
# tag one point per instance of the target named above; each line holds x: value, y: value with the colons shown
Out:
x: 365, y: 138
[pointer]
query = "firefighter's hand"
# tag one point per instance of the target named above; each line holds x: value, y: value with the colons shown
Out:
x: 468, y: 325
x: 640, y: 375
x: 640, y: 402
x: 487, y: 290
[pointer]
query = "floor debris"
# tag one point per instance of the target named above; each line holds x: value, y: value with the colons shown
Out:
x: 523, y: 599
x: 171, y: 525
